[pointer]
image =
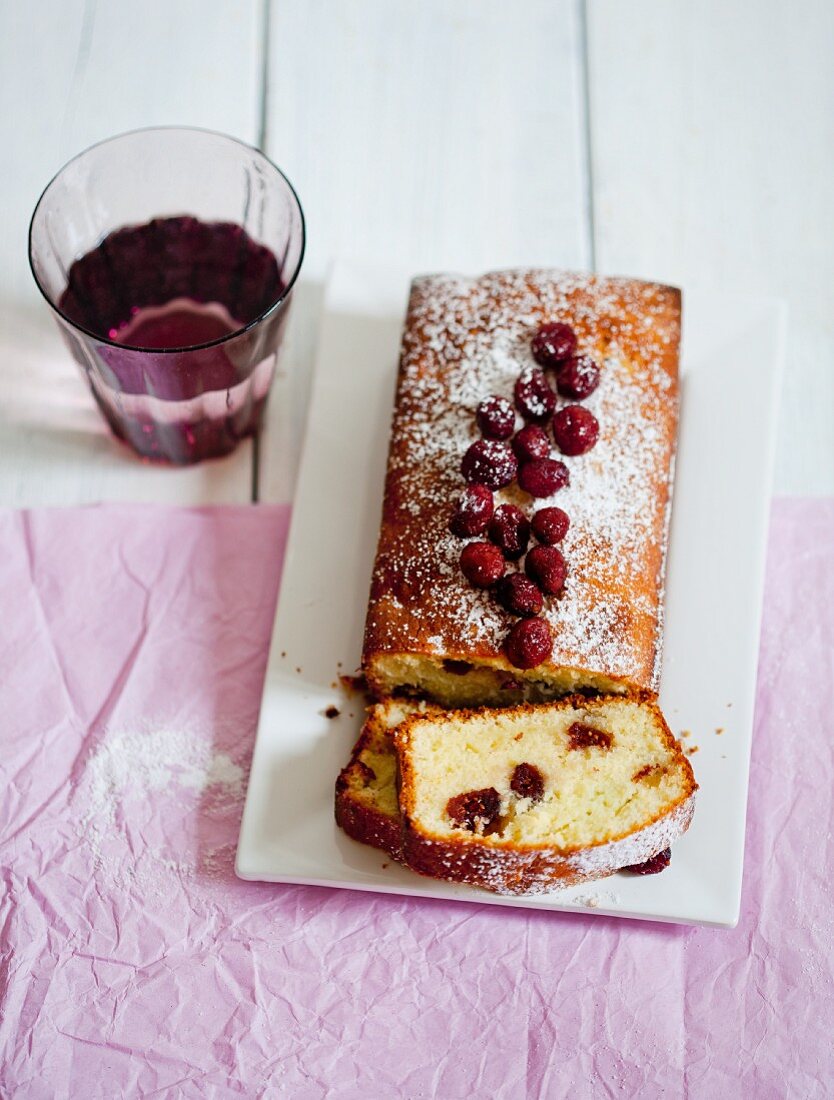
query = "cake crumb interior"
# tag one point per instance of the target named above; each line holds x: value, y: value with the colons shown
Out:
x: 485, y: 682
x: 585, y: 789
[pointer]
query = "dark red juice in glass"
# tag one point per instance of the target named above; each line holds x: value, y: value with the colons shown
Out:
x: 168, y: 256
x: 183, y: 372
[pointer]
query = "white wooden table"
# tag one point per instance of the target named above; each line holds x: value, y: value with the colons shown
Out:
x: 691, y: 143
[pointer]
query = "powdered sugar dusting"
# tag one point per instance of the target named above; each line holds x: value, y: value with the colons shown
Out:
x: 467, y: 339
x: 157, y: 773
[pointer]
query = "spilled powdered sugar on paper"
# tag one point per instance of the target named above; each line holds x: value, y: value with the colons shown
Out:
x: 132, y: 781
x: 467, y: 339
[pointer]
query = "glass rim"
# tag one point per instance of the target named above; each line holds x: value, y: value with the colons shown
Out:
x: 271, y: 308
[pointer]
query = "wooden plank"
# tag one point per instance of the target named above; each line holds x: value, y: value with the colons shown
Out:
x: 423, y: 134
x: 72, y: 74
x: 712, y: 135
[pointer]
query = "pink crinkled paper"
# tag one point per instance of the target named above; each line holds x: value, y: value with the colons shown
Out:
x: 134, y: 963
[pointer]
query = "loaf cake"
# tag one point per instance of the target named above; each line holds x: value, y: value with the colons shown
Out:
x: 527, y: 799
x: 366, y: 789
x: 437, y: 624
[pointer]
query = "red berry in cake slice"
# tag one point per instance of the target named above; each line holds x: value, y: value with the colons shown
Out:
x: 546, y: 566
x: 543, y: 476
x: 509, y: 529
x: 550, y: 525
x: 582, y: 736
x: 553, y: 343
x: 474, y: 810
x: 527, y: 782
x: 473, y: 512
x: 577, y: 377
x: 575, y: 429
x: 531, y: 442
x: 520, y: 595
x: 654, y: 865
x: 482, y: 563
x: 529, y: 643
x: 489, y: 462
x: 534, y: 398
x: 496, y: 418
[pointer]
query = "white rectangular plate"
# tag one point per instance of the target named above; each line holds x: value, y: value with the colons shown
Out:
x: 731, y: 368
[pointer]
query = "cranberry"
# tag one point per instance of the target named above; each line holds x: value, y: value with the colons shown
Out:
x: 527, y: 782
x: 550, y: 525
x: 474, y: 810
x: 457, y: 668
x: 531, y: 442
x: 491, y: 463
x: 509, y: 529
x: 575, y: 429
x: 534, y: 398
x: 577, y: 377
x: 546, y: 566
x: 543, y: 476
x: 520, y: 595
x: 581, y: 736
x: 529, y: 643
x: 482, y: 563
x: 652, y: 866
x: 496, y: 418
x: 553, y: 343
x: 473, y: 512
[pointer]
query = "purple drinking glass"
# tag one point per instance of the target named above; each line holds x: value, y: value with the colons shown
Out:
x: 168, y: 257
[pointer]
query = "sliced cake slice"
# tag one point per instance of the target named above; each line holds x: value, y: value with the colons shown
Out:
x: 366, y: 789
x: 528, y: 799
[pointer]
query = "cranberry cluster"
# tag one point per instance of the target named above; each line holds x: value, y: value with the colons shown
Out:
x: 478, y: 811
x: 503, y: 456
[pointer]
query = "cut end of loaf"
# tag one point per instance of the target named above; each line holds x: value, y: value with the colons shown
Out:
x: 478, y: 682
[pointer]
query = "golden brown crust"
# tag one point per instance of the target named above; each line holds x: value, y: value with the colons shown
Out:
x: 532, y: 871
x: 359, y: 819
x: 526, y: 869
x: 358, y: 810
x: 463, y: 340
x: 367, y: 825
